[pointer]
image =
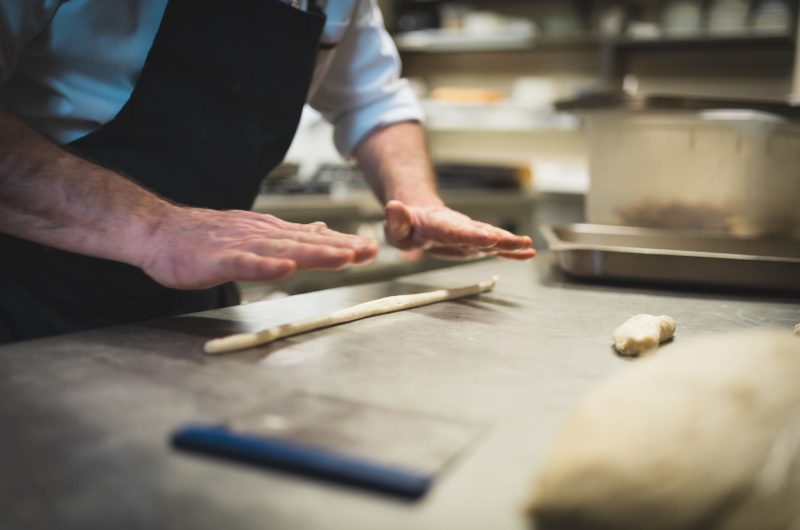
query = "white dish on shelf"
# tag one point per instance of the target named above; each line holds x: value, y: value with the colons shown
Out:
x: 773, y: 17
x: 460, y: 40
x: 682, y: 17
x: 728, y: 16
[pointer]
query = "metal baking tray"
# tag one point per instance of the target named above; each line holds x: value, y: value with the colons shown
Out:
x: 675, y: 257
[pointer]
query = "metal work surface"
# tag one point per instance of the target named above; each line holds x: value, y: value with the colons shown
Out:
x: 86, y: 418
x: 659, y: 255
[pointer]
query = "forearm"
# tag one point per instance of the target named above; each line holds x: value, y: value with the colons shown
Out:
x: 395, y: 161
x: 53, y: 197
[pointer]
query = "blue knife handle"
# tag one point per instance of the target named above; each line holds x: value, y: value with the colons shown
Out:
x: 301, y: 458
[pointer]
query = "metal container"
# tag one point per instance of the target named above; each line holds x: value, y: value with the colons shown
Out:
x: 730, y: 166
x: 676, y: 257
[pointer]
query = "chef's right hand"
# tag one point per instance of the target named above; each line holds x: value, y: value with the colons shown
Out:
x: 194, y: 248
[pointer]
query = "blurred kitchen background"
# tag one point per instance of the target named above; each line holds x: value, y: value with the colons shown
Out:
x: 489, y: 72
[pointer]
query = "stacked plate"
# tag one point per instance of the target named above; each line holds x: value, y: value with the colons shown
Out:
x: 772, y: 17
x: 728, y: 17
x: 682, y: 17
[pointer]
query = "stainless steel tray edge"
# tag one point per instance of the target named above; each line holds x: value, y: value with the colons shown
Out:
x: 661, y: 265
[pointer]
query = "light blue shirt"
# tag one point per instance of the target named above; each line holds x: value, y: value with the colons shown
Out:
x: 68, y: 66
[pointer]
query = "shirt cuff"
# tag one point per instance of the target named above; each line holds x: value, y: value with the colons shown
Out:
x: 400, y: 105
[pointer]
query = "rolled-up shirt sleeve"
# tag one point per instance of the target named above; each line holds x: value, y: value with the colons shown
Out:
x: 20, y: 21
x: 362, y: 88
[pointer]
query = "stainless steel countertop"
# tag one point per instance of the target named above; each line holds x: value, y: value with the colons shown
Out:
x: 85, y: 418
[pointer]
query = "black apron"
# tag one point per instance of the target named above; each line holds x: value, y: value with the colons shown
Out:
x: 215, y: 108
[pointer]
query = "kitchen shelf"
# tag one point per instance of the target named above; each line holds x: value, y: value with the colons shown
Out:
x: 593, y: 42
x: 613, y: 53
x: 699, y: 43
x: 503, y: 116
x: 449, y: 41
x: 469, y: 43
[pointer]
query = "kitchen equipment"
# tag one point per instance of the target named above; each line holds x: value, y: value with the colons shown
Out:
x: 453, y: 176
x: 417, y: 16
x: 676, y: 257
x: 350, y: 442
x: 772, y: 17
x: 534, y: 91
x: 643, y: 30
x: 464, y: 28
x: 612, y: 19
x: 716, y: 164
x: 682, y: 17
x: 728, y: 17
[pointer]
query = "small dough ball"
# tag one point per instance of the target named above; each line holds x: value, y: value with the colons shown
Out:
x: 643, y: 332
x: 705, y: 436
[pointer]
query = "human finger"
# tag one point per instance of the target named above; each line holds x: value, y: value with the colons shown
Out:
x: 305, y: 255
x: 521, y: 255
x: 277, y: 222
x: 247, y: 266
x: 456, y: 253
x: 365, y: 249
x: 416, y: 227
x: 398, y: 226
x: 447, y: 227
x: 505, y: 239
x: 318, y: 233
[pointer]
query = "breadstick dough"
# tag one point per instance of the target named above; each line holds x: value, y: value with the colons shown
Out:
x: 643, y: 332
x: 705, y: 436
x: 381, y: 306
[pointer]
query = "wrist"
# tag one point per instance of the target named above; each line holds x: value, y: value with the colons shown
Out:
x: 146, y: 231
x: 424, y: 195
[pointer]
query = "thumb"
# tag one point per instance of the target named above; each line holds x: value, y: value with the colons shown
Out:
x: 398, y: 225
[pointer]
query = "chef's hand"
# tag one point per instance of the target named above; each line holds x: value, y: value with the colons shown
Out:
x: 448, y: 234
x: 194, y: 248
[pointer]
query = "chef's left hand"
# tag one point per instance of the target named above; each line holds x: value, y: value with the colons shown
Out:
x: 449, y: 234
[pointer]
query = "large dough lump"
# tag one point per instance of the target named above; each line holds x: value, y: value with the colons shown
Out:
x: 641, y: 333
x: 705, y: 436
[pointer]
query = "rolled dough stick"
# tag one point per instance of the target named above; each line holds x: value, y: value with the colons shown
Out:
x: 643, y: 332
x: 380, y: 306
x: 705, y: 436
